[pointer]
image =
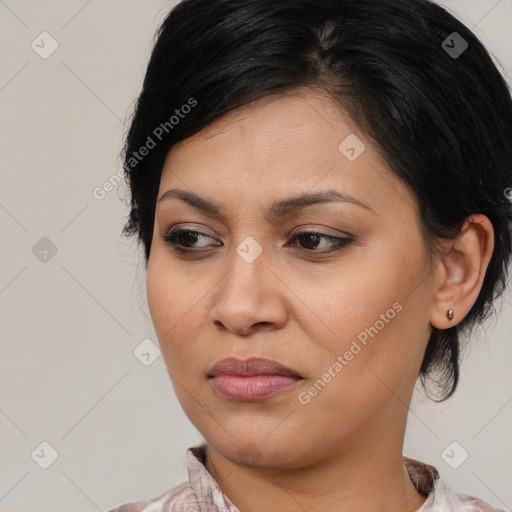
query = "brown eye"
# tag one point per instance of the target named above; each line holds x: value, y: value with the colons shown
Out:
x: 187, y: 237
x: 310, y: 241
x: 184, y: 240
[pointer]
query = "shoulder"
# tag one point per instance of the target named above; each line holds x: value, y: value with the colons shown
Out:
x: 445, y: 499
x: 179, y: 498
x: 440, y: 496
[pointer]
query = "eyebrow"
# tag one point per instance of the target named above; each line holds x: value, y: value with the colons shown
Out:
x: 277, y: 210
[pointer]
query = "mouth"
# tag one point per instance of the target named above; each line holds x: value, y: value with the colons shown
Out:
x: 251, y: 379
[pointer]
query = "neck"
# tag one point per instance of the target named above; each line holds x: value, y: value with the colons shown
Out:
x: 367, y: 477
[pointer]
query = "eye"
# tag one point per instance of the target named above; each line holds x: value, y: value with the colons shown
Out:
x: 183, y: 240
x: 312, y: 240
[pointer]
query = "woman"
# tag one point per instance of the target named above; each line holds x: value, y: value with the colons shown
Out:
x: 322, y: 192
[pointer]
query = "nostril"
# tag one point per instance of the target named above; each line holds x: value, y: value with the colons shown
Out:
x: 219, y: 325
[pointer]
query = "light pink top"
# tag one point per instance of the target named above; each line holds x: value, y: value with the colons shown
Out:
x: 202, y: 493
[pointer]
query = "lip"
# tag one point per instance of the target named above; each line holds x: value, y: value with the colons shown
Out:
x: 250, y: 367
x: 251, y: 379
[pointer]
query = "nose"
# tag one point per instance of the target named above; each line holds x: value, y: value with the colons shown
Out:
x: 249, y: 298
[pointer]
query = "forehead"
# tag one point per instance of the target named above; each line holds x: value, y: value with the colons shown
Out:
x: 280, y: 120
x: 278, y: 146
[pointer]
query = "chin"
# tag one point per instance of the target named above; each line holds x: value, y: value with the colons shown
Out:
x: 260, y: 453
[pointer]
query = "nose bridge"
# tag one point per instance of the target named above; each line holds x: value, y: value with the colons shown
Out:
x: 246, y: 276
x: 249, y: 292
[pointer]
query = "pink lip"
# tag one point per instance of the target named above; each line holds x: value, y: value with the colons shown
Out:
x: 252, y: 379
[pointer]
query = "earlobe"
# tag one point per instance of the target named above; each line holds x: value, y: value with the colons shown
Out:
x: 463, y: 271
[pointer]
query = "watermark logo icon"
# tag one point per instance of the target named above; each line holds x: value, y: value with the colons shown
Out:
x: 44, y: 45
x: 146, y: 352
x: 249, y: 454
x: 454, y: 45
x: 44, y: 250
x: 454, y: 455
x: 249, y: 249
x: 352, y: 147
x: 44, y: 455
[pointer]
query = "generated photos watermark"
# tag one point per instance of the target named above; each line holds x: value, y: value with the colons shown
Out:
x: 304, y: 397
x: 160, y: 131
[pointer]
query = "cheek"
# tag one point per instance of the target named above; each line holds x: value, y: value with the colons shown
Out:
x: 164, y: 305
x: 160, y: 301
x: 370, y: 338
x: 177, y: 310
x: 349, y: 304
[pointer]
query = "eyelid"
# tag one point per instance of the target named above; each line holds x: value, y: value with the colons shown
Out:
x: 185, y: 227
x: 318, y: 231
x: 307, y: 230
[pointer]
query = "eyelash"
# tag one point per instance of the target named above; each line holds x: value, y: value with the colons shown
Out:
x: 338, y: 242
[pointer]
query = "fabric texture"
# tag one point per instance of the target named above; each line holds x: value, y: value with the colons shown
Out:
x: 202, y: 493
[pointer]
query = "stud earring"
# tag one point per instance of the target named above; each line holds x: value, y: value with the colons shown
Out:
x: 449, y: 314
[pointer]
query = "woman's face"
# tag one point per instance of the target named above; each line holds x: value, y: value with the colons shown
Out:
x: 348, y: 314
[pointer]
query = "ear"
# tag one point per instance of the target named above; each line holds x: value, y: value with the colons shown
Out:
x: 461, y: 272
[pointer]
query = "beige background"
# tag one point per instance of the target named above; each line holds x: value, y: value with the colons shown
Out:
x: 70, y: 325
